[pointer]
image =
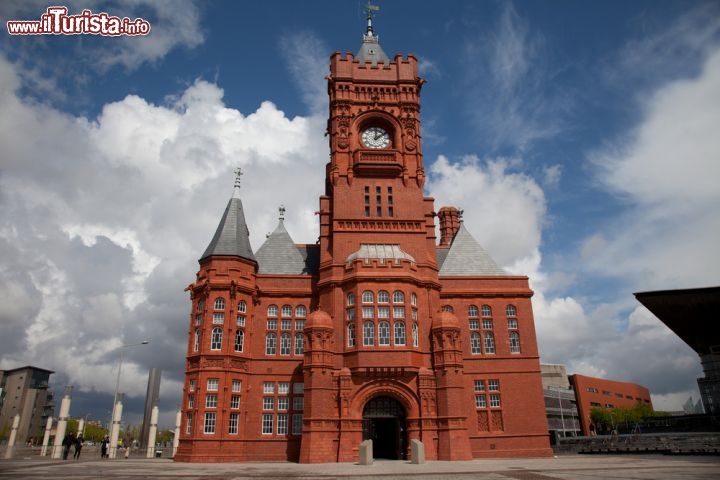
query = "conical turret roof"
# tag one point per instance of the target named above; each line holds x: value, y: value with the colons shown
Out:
x: 232, y: 237
x: 370, y: 50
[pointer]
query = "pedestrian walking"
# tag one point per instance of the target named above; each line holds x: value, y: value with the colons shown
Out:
x: 78, y: 446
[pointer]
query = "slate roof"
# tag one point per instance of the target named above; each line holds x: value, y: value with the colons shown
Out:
x: 280, y: 255
x: 466, y: 258
x: 232, y: 237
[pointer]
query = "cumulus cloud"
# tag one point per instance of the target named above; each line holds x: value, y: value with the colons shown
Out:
x: 104, y: 220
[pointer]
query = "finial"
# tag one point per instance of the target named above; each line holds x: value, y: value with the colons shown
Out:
x: 236, y: 188
x: 282, y: 212
x: 460, y: 215
x: 369, y: 9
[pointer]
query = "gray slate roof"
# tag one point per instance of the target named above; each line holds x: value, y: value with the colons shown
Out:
x: 280, y: 255
x: 466, y: 258
x: 232, y: 237
x: 370, y: 50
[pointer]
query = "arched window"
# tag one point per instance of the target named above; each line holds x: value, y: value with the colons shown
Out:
x: 272, y: 311
x: 415, y: 335
x: 351, y: 299
x: 196, y: 342
x: 242, y: 306
x: 384, y: 333
x: 239, y: 340
x: 351, y: 335
x: 285, y: 344
x: 514, y: 342
x: 475, y: 343
x: 472, y: 311
x: 299, y: 344
x: 447, y: 308
x: 383, y: 297
x: 399, y: 333
x: 489, y: 342
x: 398, y: 297
x: 300, y: 311
x: 216, y: 339
x: 270, y: 343
x: 219, y: 304
x: 368, y: 297
x: 368, y: 334
x: 486, y: 311
x: 511, y: 311
x: 287, y: 311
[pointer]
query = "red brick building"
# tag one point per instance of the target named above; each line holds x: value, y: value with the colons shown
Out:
x: 591, y: 392
x: 378, y: 331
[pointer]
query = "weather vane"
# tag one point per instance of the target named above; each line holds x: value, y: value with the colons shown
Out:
x: 238, y: 174
x: 369, y: 9
x: 282, y: 212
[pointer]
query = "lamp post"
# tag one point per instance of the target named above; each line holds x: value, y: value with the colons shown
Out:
x: 85, y: 424
x: 114, y: 430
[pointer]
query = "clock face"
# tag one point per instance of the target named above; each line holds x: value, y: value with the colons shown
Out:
x: 375, y: 137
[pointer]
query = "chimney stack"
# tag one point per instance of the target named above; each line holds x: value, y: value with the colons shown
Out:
x: 449, y: 224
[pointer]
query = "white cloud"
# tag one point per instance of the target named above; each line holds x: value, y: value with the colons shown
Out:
x: 104, y: 220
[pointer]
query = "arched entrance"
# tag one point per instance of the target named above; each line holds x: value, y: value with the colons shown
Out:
x: 384, y: 424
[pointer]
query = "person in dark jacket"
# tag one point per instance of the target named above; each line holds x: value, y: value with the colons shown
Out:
x: 78, y: 446
x: 104, y: 447
x: 67, y: 442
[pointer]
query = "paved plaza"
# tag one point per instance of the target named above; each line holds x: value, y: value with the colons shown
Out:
x: 566, y: 467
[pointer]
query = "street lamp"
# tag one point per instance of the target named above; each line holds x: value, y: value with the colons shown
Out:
x: 85, y: 424
x: 113, y: 439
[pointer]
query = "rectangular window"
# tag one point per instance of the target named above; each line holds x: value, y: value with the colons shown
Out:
x: 209, y: 423
x: 494, y: 400
x: 189, y: 424
x: 297, y: 424
x: 236, y: 386
x: 512, y: 324
x: 283, y: 403
x: 367, y: 210
x: 235, y: 402
x: 198, y: 319
x: 269, y: 387
x: 298, y: 388
x: 211, y: 401
x: 398, y: 312
x: 218, y: 318
x: 241, y: 320
x: 272, y: 324
x: 474, y: 324
x: 282, y: 424
x: 378, y: 211
x: 414, y: 315
x: 300, y: 325
x: 268, y: 403
x: 298, y: 404
x: 494, y: 385
x: 283, y: 388
x: 233, y: 424
x: 267, y: 424
x: 391, y: 212
x: 191, y: 385
x: 212, y: 384
x: 191, y: 401
x: 595, y: 404
x: 487, y: 324
x: 479, y: 385
x: 285, y: 324
x: 480, y: 401
x: 368, y: 312
x: 383, y: 312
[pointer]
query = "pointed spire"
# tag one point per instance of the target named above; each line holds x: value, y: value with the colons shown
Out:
x: 232, y: 237
x: 370, y: 50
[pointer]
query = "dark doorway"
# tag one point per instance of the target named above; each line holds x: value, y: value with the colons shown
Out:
x: 384, y: 424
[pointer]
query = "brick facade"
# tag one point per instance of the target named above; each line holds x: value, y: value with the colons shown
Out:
x: 371, y: 339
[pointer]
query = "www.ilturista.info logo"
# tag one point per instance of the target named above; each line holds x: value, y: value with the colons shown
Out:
x: 57, y: 22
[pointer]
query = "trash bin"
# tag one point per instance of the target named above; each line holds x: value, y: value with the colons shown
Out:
x: 158, y: 453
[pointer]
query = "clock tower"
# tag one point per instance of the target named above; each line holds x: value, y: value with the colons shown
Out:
x: 376, y: 332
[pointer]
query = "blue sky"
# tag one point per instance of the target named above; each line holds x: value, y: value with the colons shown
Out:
x: 579, y: 137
